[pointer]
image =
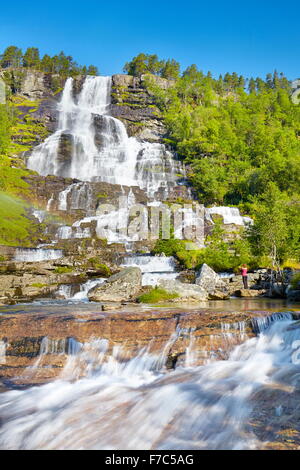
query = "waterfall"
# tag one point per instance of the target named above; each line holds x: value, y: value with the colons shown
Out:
x: 90, y: 145
x: 34, y: 255
x: 112, y: 225
x: 153, y: 268
x: 260, y: 324
x: 66, y: 291
x: 231, y: 215
x: 101, y: 396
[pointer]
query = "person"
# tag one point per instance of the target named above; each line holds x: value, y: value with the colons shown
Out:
x: 244, y: 272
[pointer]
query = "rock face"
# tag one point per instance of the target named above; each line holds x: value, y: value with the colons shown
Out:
x: 209, y: 280
x: 214, y: 334
x: 122, y: 286
x: 134, y: 105
x: 186, y: 292
x: 23, y: 334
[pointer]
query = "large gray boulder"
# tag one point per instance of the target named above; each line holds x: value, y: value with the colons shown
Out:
x: 209, y: 280
x: 187, y: 292
x: 122, y: 286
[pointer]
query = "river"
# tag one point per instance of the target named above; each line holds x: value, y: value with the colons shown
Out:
x: 113, y: 384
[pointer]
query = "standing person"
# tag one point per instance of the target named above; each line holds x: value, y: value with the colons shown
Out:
x: 244, y: 272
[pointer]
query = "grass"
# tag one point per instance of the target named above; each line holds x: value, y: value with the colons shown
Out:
x: 11, y: 178
x: 15, y: 227
x: 156, y: 295
x: 38, y: 285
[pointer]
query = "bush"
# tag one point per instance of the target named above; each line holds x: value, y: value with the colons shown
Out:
x: 169, y: 247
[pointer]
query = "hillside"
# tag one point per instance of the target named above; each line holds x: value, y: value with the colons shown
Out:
x: 238, y: 140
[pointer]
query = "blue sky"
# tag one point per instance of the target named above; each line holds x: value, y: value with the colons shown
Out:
x: 250, y: 38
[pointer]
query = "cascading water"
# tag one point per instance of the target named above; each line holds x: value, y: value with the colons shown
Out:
x: 231, y: 215
x: 100, y: 397
x: 90, y: 145
x: 34, y: 255
x: 153, y: 268
x: 66, y: 291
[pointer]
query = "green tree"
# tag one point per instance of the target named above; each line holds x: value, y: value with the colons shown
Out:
x: 137, y: 66
x: 12, y: 57
x: 170, y: 69
x: 92, y: 70
x: 31, y: 57
x: 47, y: 64
x: 269, y: 234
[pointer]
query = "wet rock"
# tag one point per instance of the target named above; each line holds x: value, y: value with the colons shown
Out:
x: 129, y: 327
x: 122, y: 286
x: 110, y: 307
x: 187, y: 292
x: 218, y: 295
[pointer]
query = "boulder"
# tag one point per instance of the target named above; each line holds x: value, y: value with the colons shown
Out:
x: 188, y: 292
x: 122, y: 286
x: 209, y: 280
x: 218, y: 295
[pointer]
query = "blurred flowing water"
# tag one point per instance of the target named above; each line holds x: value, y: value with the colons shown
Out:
x: 104, y: 400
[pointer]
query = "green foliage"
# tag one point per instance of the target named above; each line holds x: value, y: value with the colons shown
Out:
x: 39, y: 285
x: 11, y: 57
x: 11, y: 178
x: 101, y: 268
x: 31, y: 58
x: 276, y: 229
x: 15, y: 227
x: 150, y: 63
x: 102, y: 196
x: 168, y: 247
x: 156, y: 295
x: 235, y: 143
x: 242, y: 149
x: 218, y: 254
x: 5, y: 126
x: 60, y: 64
x: 63, y: 270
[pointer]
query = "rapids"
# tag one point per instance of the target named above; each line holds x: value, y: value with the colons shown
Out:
x: 103, y: 400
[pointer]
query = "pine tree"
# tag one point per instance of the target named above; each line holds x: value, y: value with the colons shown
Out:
x: 31, y: 57
x: 12, y: 57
